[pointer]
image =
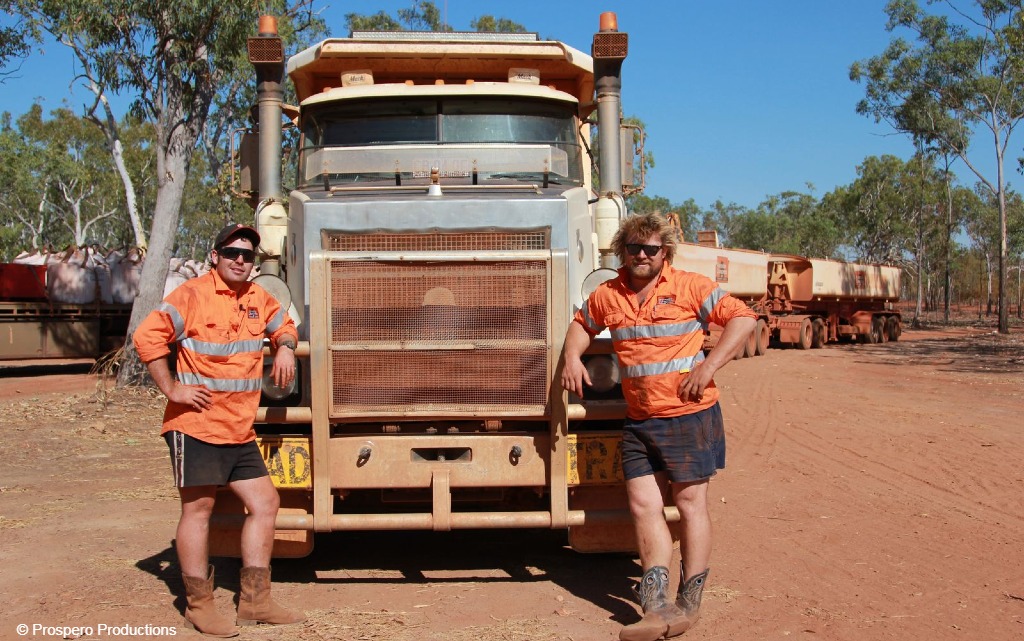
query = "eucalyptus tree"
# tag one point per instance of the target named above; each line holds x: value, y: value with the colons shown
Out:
x: 893, y: 213
x: 422, y: 15
x: 965, y: 74
x: 172, y: 58
x: 58, y: 188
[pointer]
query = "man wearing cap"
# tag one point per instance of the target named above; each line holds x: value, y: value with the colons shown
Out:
x: 673, y: 434
x: 218, y: 322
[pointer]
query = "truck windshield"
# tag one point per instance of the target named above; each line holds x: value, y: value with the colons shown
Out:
x: 504, y: 138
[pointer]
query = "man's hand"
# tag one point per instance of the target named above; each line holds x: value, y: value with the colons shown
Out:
x: 195, y: 396
x: 283, y: 370
x: 574, y: 374
x: 694, y: 382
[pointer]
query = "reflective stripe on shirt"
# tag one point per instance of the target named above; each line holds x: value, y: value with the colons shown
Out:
x: 594, y: 327
x: 221, y: 384
x: 709, y: 304
x: 176, y: 320
x: 276, y: 322
x: 654, y: 369
x: 656, y: 331
x: 222, y: 349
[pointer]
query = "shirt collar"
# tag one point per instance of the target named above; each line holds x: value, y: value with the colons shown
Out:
x: 222, y: 288
x: 623, y: 279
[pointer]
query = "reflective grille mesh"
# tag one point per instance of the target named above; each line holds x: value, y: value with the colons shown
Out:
x: 441, y: 337
x: 471, y: 241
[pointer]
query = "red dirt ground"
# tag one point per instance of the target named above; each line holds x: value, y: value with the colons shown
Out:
x: 872, y: 492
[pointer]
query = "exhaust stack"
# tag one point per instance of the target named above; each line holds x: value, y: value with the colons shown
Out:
x: 609, y: 49
x: 266, y: 53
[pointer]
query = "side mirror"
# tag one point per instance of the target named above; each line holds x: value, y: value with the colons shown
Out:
x: 632, y: 139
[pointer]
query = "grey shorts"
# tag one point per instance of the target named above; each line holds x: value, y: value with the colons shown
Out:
x: 689, y: 447
x: 198, y: 463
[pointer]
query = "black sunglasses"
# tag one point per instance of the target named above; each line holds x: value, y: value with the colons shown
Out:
x: 232, y: 253
x: 651, y: 250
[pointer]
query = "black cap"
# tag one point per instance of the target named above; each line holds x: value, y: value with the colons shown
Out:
x: 237, y: 229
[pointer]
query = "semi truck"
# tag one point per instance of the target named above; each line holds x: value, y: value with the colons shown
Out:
x: 444, y: 227
x: 800, y: 301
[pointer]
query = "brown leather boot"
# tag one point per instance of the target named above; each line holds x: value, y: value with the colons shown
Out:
x: 200, y: 613
x: 255, y: 604
x: 658, y: 610
x: 687, y: 602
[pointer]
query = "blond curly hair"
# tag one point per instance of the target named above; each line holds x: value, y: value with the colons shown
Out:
x: 642, y: 226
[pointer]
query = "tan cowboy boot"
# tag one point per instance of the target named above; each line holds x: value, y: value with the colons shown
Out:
x: 201, y: 613
x: 658, y: 610
x: 255, y: 604
x: 687, y: 602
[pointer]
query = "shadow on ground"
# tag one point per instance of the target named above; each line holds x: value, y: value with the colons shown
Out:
x: 470, y: 556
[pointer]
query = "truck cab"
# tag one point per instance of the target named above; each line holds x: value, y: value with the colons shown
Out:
x: 439, y: 240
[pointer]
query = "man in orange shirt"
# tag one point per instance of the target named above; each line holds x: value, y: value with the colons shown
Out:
x: 218, y: 322
x: 656, y: 316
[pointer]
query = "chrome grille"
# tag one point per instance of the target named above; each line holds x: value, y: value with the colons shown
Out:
x: 442, y: 337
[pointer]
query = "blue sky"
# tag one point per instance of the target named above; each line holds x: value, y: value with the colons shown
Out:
x: 742, y: 99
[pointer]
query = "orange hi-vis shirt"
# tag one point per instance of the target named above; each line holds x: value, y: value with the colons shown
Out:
x: 657, y: 341
x: 220, y: 345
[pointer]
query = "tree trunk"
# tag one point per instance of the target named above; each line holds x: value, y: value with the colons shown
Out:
x: 154, y: 271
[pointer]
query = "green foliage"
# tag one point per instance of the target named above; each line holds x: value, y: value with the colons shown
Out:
x: 59, y: 183
x: 490, y: 24
x: 423, y: 15
x: 956, y: 79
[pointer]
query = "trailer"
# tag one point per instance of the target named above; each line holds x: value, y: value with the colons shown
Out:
x: 35, y: 326
x: 813, y: 301
x: 799, y: 301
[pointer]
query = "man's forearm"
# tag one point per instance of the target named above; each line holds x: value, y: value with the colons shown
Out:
x: 577, y: 340
x: 736, y: 332
x: 160, y: 371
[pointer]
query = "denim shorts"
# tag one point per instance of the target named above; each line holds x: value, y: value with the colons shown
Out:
x: 689, y: 447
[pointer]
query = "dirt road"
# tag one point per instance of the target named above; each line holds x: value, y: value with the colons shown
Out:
x: 872, y: 492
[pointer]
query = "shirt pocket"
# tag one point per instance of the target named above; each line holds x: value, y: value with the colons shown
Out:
x: 614, y: 320
x: 254, y: 328
x: 670, y: 313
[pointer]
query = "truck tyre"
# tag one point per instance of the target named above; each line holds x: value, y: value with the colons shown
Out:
x: 806, y: 334
x: 763, y: 337
x: 892, y: 328
x: 878, y: 329
x: 819, y: 336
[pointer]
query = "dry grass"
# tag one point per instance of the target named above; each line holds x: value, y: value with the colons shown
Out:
x: 158, y: 493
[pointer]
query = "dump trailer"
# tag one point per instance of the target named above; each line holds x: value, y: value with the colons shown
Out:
x: 443, y: 230
x: 799, y: 301
x: 813, y: 301
x: 36, y: 322
x: 740, y: 272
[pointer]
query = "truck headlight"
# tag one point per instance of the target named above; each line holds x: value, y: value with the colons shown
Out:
x: 272, y: 391
x: 603, y: 371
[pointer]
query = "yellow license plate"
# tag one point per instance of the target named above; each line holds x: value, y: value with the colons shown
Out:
x: 594, y: 458
x: 288, y: 460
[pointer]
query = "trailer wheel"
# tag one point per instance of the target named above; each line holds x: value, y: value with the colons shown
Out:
x: 764, y: 335
x: 893, y: 328
x: 806, y: 334
x: 818, y: 335
x: 878, y: 329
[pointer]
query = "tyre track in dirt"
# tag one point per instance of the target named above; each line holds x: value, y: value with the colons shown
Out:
x: 867, y: 476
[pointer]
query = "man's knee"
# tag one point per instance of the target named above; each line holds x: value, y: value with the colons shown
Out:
x: 259, y: 496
